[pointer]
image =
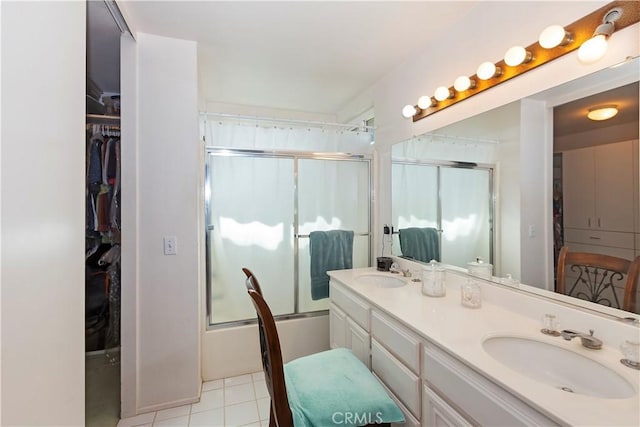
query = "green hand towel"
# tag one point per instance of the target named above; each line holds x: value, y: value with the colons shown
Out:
x: 329, y: 250
x: 421, y: 244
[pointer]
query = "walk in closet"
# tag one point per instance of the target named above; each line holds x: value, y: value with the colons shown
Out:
x: 102, y: 219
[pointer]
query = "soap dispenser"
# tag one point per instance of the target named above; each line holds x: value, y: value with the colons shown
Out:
x: 433, y: 280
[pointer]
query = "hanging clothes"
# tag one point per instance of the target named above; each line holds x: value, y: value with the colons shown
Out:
x: 102, y: 252
x: 103, y: 181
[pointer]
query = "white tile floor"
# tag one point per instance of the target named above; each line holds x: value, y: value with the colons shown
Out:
x: 232, y: 402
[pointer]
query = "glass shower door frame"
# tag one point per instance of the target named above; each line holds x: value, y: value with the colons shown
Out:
x: 295, y: 156
x: 460, y: 165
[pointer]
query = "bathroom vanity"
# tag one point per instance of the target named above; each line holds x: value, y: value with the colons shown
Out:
x: 449, y: 365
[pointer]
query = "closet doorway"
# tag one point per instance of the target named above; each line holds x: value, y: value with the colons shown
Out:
x: 102, y: 219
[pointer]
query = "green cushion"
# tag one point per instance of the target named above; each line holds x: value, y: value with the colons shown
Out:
x: 335, y: 388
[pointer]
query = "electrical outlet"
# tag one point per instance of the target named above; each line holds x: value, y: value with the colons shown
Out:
x: 170, y: 245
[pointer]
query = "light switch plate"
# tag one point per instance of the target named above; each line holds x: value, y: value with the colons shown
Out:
x: 170, y: 245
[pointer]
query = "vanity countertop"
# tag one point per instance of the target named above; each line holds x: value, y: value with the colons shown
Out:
x: 460, y: 331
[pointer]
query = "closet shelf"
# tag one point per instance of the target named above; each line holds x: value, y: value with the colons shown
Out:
x: 103, y: 119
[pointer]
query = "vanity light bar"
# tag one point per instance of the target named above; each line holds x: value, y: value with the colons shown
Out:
x: 580, y: 31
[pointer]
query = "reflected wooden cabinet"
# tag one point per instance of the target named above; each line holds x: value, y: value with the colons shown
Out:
x: 598, y: 187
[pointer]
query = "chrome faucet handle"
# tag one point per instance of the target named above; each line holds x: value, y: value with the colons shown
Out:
x: 588, y: 341
x: 406, y: 272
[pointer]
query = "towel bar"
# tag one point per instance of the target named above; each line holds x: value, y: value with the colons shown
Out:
x: 355, y: 234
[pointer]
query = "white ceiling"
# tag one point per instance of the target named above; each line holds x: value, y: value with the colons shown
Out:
x: 310, y: 56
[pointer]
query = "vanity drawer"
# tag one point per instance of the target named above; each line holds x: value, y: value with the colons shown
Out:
x: 397, y: 339
x: 353, y: 306
x: 484, y: 402
x: 403, y: 383
x: 600, y: 238
x: 409, y: 419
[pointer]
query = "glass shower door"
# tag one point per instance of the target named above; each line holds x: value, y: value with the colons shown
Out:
x: 332, y: 195
x: 414, y: 198
x: 466, y: 215
x: 250, y: 202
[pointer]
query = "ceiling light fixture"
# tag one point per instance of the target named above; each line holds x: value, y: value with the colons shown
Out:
x: 603, y: 112
x: 517, y: 55
x: 554, y: 36
x: 595, y: 48
x: 463, y: 83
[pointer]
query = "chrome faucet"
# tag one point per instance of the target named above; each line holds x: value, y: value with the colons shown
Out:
x: 406, y: 273
x: 588, y: 341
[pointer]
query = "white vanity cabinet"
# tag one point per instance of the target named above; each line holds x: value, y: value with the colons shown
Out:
x: 428, y: 353
x: 349, y: 323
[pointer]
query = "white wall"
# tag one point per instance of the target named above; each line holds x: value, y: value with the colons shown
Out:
x: 42, y: 266
x: 536, y: 163
x: 507, y: 231
x: 167, y: 164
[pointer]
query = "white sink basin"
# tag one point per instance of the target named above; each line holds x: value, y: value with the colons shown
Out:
x: 558, y: 367
x: 381, y: 280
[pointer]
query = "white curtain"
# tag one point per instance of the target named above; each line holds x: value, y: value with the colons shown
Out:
x: 427, y: 147
x: 260, y: 135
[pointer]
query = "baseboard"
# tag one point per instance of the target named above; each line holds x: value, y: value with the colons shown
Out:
x: 167, y: 405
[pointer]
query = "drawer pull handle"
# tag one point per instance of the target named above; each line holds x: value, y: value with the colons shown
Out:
x: 594, y: 238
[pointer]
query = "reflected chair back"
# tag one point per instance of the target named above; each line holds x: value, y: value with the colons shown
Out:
x: 592, y: 277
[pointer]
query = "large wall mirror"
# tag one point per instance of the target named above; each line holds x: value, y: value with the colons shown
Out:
x: 464, y: 181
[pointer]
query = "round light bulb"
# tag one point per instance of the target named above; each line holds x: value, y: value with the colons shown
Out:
x: 552, y: 36
x: 602, y: 113
x: 486, y: 70
x: 408, y: 111
x: 593, y: 49
x: 516, y: 56
x: 462, y: 83
x: 425, y: 102
x: 442, y: 93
